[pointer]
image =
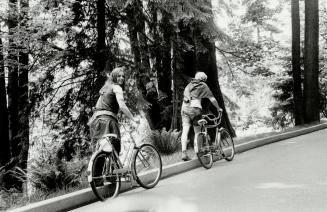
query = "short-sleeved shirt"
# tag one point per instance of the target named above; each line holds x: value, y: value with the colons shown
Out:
x: 194, y: 92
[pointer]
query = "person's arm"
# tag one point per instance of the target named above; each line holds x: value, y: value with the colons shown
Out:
x: 211, y: 97
x: 215, y: 103
x: 121, y: 102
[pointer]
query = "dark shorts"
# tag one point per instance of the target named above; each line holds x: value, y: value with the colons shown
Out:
x: 105, y: 124
x: 191, y: 116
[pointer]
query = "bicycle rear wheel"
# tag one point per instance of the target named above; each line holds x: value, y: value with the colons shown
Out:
x: 147, y: 166
x: 227, y: 145
x: 104, y: 183
x: 204, y: 154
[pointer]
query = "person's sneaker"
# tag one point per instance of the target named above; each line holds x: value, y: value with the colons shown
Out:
x: 185, y: 157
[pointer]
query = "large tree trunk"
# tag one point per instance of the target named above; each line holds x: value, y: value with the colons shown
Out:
x: 311, y: 63
x: 207, y: 61
x: 143, y: 44
x: 136, y: 28
x: 4, y: 133
x: 100, y: 59
x: 13, y: 92
x: 23, y: 102
x: 296, y: 67
x: 156, y: 57
x: 164, y: 82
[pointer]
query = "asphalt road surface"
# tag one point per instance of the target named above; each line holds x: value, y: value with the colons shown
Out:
x: 289, y: 175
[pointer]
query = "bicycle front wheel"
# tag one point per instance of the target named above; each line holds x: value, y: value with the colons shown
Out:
x: 227, y: 145
x: 147, y: 166
x: 104, y: 183
x: 204, y: 153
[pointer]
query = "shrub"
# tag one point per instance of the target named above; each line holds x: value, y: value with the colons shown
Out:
x: 167, y: 142
x: 51, y: 177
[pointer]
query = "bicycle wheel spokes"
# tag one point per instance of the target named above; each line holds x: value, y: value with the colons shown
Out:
x: 204, y: 154
x: 227, y: 145
x: 147, y: 166
x: 104, y: 183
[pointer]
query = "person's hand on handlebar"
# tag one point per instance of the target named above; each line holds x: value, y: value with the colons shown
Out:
x: 136, y: 121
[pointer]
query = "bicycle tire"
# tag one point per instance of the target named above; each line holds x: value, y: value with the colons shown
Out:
x: 147, y: 166
x: 204, y: 153
x: 104, y: 183
x: 227, y: 145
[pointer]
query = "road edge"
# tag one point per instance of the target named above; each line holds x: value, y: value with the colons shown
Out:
x: 85, y: 196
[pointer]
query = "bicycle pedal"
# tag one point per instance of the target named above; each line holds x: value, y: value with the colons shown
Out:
x: 120, y: 171
x: 126, y: 179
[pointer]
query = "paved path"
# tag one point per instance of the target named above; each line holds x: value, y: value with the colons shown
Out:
x: 290, y: 175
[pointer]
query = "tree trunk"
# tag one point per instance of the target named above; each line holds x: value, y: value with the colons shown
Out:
x: 258, y: 33
x: 136, y: 28
x: 311, y: 63
x: 13, y: 91
x: 208, y: 60
x: 4, y: 133
x: 144, y: 49
x: 296, y: 67
x: 208, y: 63
x: 100, y: 59
x: 164, y: 83
x: 23, y: 102
x: 175, y: 115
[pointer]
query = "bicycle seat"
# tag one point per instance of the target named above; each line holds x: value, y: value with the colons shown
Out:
x: 202, y: 122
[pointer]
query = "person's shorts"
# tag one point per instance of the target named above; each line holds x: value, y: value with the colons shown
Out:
x: 191, y: 116
x: 105, y: 124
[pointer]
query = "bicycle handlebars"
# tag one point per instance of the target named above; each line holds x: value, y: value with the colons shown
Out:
x: 212, y: 117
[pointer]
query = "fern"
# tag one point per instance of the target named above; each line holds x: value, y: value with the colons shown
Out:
x: 167, y: 142
x: 54, y: 177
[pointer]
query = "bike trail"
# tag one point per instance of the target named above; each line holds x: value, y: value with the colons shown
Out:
x: 289, y: 175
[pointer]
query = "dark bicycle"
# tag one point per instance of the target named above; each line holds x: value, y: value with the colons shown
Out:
x: 106, y: 171
x: 222, y: 146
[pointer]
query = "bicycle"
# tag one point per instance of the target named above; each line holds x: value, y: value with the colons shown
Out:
x: 106, y: 171
x: 223, y: 145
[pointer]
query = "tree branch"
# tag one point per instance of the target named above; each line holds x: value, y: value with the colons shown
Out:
x: 231, y: 53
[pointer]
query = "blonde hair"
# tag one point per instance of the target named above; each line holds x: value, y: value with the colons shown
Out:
x: 114, y: 75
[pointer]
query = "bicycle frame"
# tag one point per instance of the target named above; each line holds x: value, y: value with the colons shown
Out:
x: 107, y: 170
x: 125, y: 168
x: 204, y: 129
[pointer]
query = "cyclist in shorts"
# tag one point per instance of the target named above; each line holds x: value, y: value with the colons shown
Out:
x: 111, y: 99
x: 191, y: 110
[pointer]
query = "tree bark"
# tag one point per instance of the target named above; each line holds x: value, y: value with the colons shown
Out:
x: 13, y: 92
x: 208, y: 62
x: 143, y: 44
x: 100, y: 59
x: 23, y: 102
x: 296, y: 66
x: 4, y: 131
x: 164, y: 73
x: 311, y: 63
x: 140, y: 50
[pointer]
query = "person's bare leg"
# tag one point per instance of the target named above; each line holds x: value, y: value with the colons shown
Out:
x: 197, y: 129
x: 184, y: 136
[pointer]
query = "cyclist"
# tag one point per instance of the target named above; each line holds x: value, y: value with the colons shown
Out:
x: 191, y: 110
x: 104, y: 119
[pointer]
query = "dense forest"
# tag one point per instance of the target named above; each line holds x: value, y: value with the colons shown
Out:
x: 265, y: 61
